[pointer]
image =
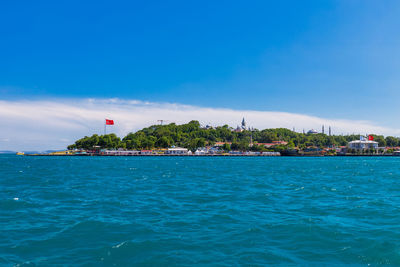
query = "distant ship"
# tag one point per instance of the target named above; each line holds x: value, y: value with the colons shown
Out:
x: 20, y: 153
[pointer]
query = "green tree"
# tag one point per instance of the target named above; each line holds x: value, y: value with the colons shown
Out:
x: 192, y: 136
x: 163, y: 142
x: 380, y: 139
x: 226, y: 147
x: 392, y: 141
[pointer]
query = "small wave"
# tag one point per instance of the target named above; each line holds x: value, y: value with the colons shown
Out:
x: 120, y: 244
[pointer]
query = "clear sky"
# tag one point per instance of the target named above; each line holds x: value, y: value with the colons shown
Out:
x: 333, y: 59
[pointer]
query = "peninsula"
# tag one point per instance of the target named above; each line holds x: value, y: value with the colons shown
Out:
x: 194, y: 139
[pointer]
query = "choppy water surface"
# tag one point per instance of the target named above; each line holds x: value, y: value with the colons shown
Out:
x: 154, y: 211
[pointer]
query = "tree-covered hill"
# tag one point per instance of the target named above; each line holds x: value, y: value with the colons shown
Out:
x: 192, y: 136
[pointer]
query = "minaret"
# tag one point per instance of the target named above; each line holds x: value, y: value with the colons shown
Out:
x: 243, y: 124
x: 330, y: 132
x: 323, y: 129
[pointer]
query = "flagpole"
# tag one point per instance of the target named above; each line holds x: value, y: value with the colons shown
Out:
x: 105, y: 125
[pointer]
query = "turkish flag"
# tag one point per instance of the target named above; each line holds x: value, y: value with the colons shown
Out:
x: 370, y: 138
x: 109, y: 122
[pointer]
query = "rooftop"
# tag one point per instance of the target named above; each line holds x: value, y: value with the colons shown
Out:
x: 363, y: 142
x: 177, y: 148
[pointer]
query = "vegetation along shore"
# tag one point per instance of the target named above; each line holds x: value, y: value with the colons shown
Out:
x: 192, y: 139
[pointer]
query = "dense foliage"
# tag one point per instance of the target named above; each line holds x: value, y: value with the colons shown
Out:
x: 192, y: 136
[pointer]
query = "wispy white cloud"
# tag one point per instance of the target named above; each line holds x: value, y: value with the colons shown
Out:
x: 32, y: 125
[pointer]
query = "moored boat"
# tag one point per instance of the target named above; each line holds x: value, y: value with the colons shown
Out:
x: 290, y: 152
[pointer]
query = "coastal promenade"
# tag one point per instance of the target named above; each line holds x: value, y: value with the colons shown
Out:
x: 213, y: 155
x: 153, y: 155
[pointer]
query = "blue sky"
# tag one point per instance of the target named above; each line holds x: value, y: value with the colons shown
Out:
x: 332, y: 59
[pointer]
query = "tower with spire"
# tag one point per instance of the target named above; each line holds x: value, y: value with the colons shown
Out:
x: 243, y: 124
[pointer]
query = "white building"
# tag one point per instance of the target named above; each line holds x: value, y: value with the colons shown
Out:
x: 201, y: 151
x: 177, y: 151
x: 362, y: 144
x: 120, y: 152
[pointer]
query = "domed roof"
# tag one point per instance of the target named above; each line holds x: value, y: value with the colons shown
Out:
x: 312, y: 131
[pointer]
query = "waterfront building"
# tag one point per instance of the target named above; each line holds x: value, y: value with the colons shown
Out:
x: 146, y: 152
x: 177, y: 151
x: 201, y: 151
x: 214, y: 150
x: 251, y: 153
x: 119, y: 152
x: 362, y: 144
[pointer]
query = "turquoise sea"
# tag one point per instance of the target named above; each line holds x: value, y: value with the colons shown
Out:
x: 184, y: 211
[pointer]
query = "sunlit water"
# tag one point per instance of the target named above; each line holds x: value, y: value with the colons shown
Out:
x: 152, y: 211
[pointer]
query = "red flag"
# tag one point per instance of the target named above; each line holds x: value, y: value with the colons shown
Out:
x: 370, y: 138
x: 109, y: 122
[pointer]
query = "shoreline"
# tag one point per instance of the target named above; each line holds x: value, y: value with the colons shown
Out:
x: 307, y: 156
